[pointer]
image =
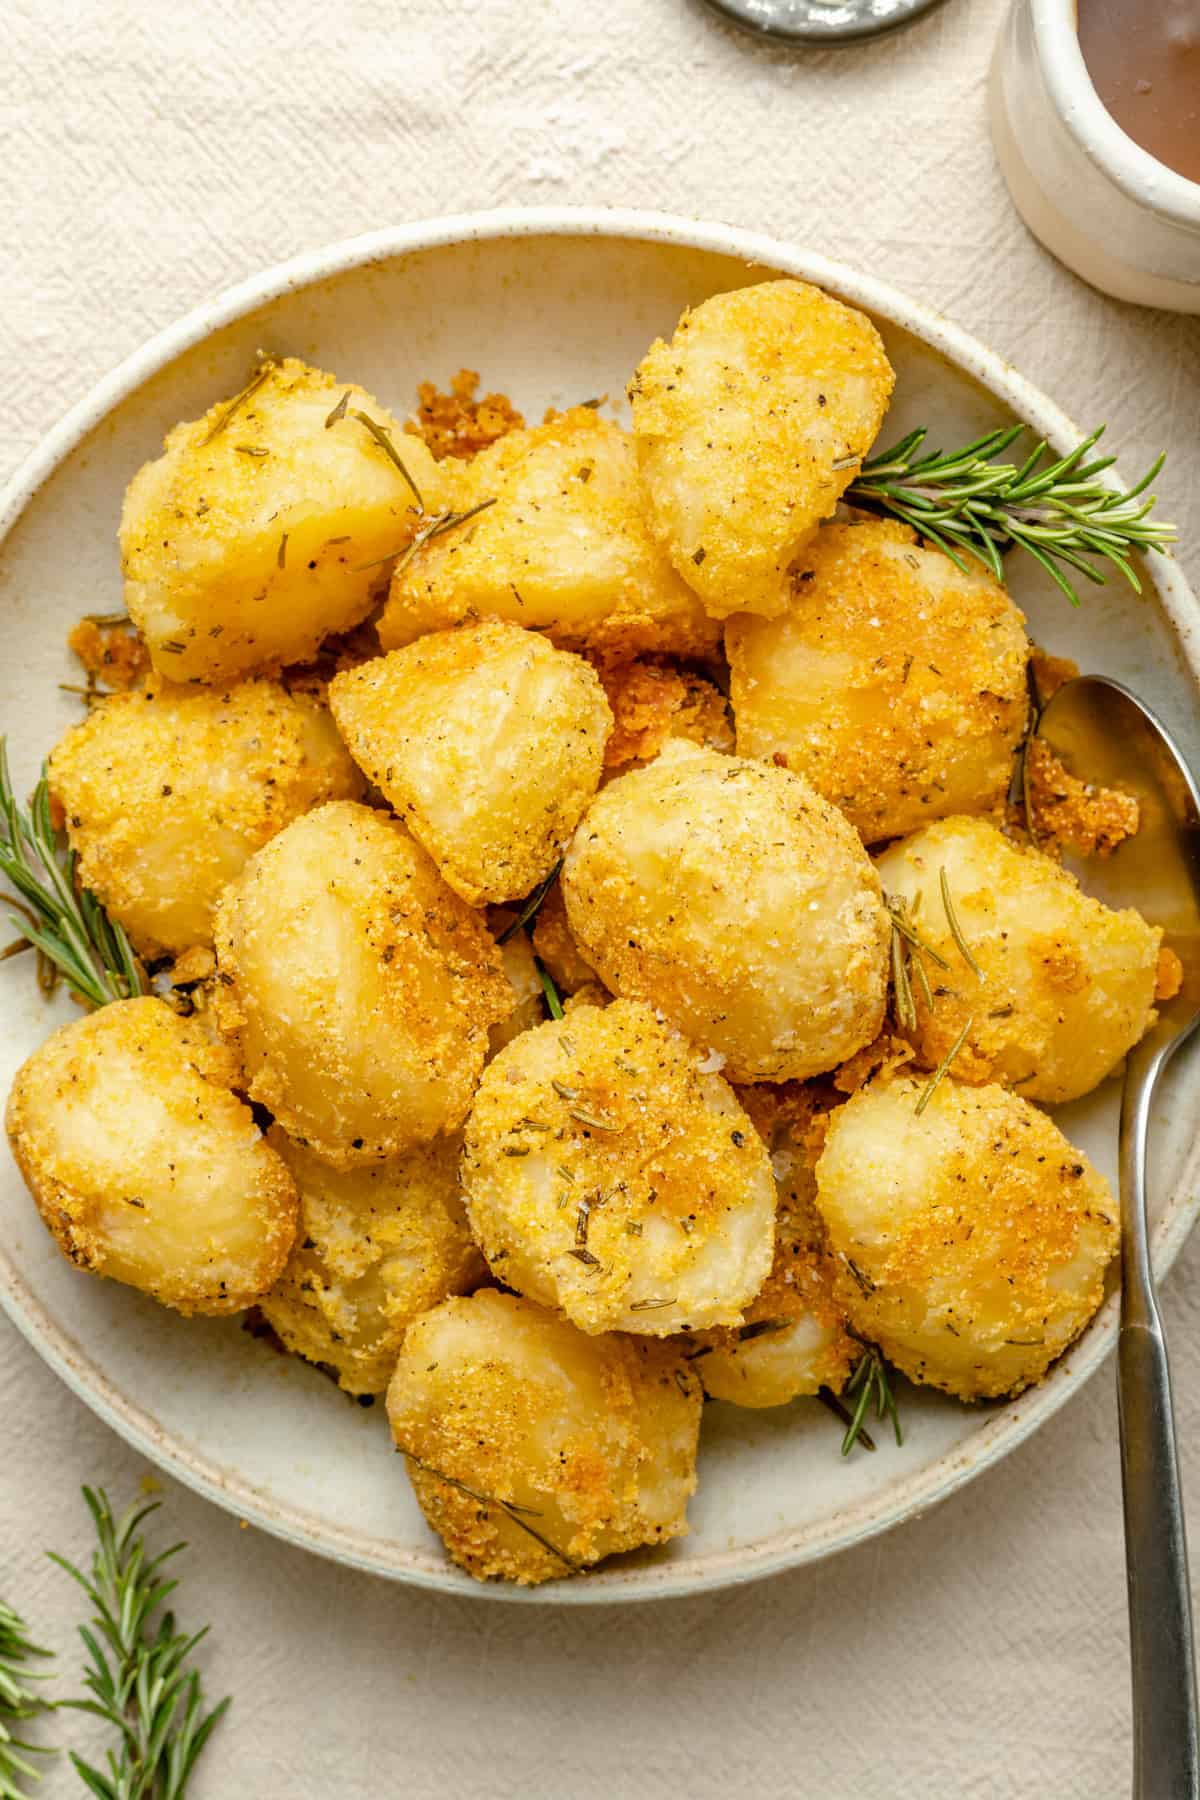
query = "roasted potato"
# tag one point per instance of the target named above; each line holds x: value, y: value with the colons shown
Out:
x: 166, y: 792
x: 533, y: 1450
x: 144, y: 1166
x: 563, y: 549
x: 263, y: 526
x: 606, y: 1174
x: 794, y: 1340
x: 1065, y: 986
x: 356, y: 988
x: 893, y: 681
x: 750, y: 424
x: 654, y: 702
x: 556, y: 948
x: 376, y: 1246
x: 731, y: 896
x: 971, y: 1238
x: 487, y: 741
x: 528, y: 1004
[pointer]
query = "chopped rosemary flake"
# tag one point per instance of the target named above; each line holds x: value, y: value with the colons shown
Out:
x: 563, y: 1091
x: 251, y: 450
x: 281, y: 558
x: 865, y: 1284
x: 519, y: 1515
x: 383, y: 438
x: 956, y: 930
x: 870, y: 1381
x: 846, y: 462
x: 515, y: 1150
x: 633, y: 1228
x: 339, y: 411
x: 565, y: 1173
x: 581, y: 1221
x: 761, y: 1328
x: 648, y: 1305
x: 585, y: 1257
x: 118, y: 618
x: 594, y: 1120
x: 927, y: 1092
x: 531, y: 907
x: 265, y: 366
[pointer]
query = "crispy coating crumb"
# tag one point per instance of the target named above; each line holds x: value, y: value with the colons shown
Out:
x: 894, y: 682
x: 750, y: 424
x: 144, y: 1166
x: 731, y: 896
x: 563, y: 549
x: 112, y: 654
x: 794, y: 1340
x: 884, y: 1056
x: 376, y: 1246
x: 554, y: 942
x: 605, y: 1174
x: 1069, y: 814
x: 1066, y: 985
x: 356, y: 987
x: 268, y: 524
x: 652, y: 702
x: 1168, y: 978
x: 971, y: 1240
x: 487, y: 741
x: 591, y: 1441
x: 168, y: 791
x: 456, y: 423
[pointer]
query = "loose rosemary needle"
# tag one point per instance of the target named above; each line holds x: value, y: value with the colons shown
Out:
x: 870, y: 1381
x: 1061, y: 511
x: 64, y: 921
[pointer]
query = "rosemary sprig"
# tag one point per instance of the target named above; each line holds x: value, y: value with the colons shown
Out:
x: 956, y: 930
x: 18, y: 1703
x: 64, y: 921
x: 137, y: 1677
x: 519, y: 1515
x: 532, y: 906
x: 1060, y: 511
x: 870, y: 1381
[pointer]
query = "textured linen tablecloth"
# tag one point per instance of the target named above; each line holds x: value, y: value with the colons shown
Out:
x: 154, y: 153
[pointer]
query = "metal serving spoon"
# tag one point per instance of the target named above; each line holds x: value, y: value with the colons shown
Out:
x: 1103, y: 734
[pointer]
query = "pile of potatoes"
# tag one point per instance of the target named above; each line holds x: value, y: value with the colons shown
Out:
x: 548, y: 1178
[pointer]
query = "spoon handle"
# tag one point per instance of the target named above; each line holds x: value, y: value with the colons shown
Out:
x: 1166, y: 1764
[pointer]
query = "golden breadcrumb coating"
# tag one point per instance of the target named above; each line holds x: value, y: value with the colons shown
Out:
x: 356, y: 987
x: 606, y: 1174
x: 376, y: 1246
x: 556, y: 948
x: 264, y: 525
x: 564, y: 549
x: 1168, y: 980
x: 590, y: 1442
x: 731, y: 896
x: 794, y: 1340
x: 750, y: 424
x: 971, y: 1239
x: 893, y: 681
x: 652, y: 702
x: 112, y: 654
x: 456, y: 423
x: 1066, y: 985
x: 166, y: 792
x: 1069, y: 814
x: 487, y: 741
x: 144, y: 1166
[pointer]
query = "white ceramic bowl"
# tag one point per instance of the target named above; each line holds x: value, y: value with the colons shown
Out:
x: 1101, y: 203
x: 553, y: 307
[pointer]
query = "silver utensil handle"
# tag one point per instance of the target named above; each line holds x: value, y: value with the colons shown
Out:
x: 1166, y: 1763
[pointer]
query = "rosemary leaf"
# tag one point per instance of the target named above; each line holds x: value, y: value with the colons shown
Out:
x: 519, y: 1515
x: 531, y: 907
x: 549, y: 990
x: 956, y: 930
x: 383, y: 438
x: 927, y: 1092
x: 265, y: 366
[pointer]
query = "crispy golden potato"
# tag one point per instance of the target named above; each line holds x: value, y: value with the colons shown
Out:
x: 261, y: 528
x: 653, y: 702
x: 971, y: 1239
x: 376, y: 1246
x: 794, y: 1340
x: 731, y: 896
x: 561, y: 956
x: 144, y: 1166
x: 487, y: 741
x: 357, y: 989
x: 564, y: 550
x: 533, y: 1450
x: 166, y: 792
x: 893, y: 681
x: 528, y: 1004
x: 607, y: 1175
x: 750, y: 424
x: 1065, y: 985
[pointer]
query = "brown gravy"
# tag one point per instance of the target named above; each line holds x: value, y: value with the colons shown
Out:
x: 1144, y: 59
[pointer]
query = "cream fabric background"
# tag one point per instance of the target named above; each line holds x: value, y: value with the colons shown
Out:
x: 153, y: 153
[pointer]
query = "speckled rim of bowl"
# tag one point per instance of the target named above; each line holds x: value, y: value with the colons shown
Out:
x: 1007, y: 1427
x: 1139, y: 176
